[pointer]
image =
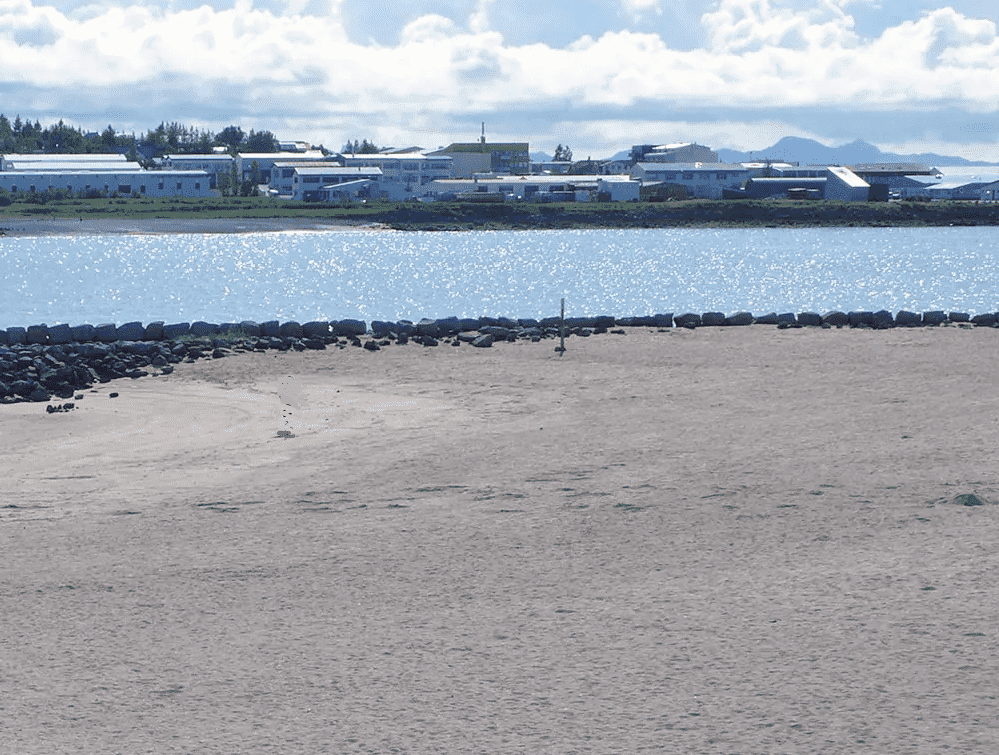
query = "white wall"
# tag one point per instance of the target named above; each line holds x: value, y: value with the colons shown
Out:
x: 149, y: 183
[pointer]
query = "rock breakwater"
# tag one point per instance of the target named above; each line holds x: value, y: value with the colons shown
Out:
x: 39, y: 362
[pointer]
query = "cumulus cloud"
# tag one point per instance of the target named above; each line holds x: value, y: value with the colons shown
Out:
x: 301, y: 66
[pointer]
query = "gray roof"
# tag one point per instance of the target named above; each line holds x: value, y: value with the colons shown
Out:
x: 692, y: 167
x: 894, y: 169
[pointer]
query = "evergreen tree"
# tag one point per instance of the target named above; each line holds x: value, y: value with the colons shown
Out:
x: 562, y: 154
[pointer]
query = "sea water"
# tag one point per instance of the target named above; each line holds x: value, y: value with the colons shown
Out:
x: 389, y: 275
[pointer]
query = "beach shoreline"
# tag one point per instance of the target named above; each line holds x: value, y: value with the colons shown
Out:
x: 105, y: 226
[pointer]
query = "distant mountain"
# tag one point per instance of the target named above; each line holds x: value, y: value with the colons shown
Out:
x: 810, y: 152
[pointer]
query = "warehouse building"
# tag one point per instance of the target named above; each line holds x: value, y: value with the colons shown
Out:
x: 540, y: 188
x: 97, y: 176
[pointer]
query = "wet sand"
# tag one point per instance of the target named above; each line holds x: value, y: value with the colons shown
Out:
x: 731, y: 540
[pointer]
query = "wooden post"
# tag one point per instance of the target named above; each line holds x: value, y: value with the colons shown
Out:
x: 561, y: 329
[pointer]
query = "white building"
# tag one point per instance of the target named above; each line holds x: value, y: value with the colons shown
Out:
x: 141, y: 183
x: 845, y: 185
x: 43, y: 162
x: 680, y: 152
x: 403, y: 175
x: 702, y: 180
x: 282, y: 182
x: 316, y: 184
x: 213, y: 164
x: 540, y: 188
x: 264, y: 162
x: 97, y: 175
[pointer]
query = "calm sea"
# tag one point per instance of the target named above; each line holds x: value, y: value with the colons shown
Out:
x: 383, y: 275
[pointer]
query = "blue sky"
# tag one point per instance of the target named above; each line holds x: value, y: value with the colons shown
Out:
x: 598, y: 75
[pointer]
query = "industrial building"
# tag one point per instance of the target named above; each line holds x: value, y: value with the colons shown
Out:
x: 701, y: 180
x: 540, y: 188
x: 470, y: 158
x: 680, y: 152
x: 213, y: 164
x: 264, y: 162
x: 404, y: 175
x: 315, y: 183
x: 97, y: 175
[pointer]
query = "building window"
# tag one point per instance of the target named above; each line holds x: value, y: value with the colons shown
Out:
x: 160, y: 186
x: 142, y: 189
x: 197, y: 185
x: 124, y: 188
x: 179, y: 186
x: 688, y: 176
x: 722, y: 176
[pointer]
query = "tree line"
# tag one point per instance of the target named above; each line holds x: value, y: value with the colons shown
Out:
x: 24, y: 137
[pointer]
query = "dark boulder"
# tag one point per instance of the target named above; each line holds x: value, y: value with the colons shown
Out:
x: 882, y: 320
x: 316, y: 329
x: 857, y: 319
x: 85, y: 332
x: 61, y: 333
x: 688, y: 320
x: 447, y: 326
x: 427, y: 327
x: 483, y: 341
x: 740, y: 318
x: 23, y: 387
x: 498, y: 332
x: 17, y: 335
x: 175, y: 330
x: 106, y: 332
x: 953, y: 317
x: 38, y: 333
x: 906, y: 319
x: 39, y: 395
x: 986, y: 319
x: 202, y: 328
x: 713, y: 319
x: 349, y: 328
x: 813, y: 319
x: 835, y: 319
x: 250, y: 328
x: 153, y: 331
x: 270, y: 329
x: 130, y: 331
x: 935, y: 317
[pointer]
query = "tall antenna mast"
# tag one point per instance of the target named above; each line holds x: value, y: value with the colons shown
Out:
x: 483, y: 139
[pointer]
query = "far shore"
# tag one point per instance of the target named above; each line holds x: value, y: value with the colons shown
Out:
x: 148, y: 226
x: 262, y: 214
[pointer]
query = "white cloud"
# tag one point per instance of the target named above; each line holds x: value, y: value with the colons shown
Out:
x: 242, y: 63
x: 638, y: 7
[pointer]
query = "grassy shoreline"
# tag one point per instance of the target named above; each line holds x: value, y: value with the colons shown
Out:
x: 465, y: 216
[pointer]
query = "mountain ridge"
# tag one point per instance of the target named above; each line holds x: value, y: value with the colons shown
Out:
x: 810, y: 152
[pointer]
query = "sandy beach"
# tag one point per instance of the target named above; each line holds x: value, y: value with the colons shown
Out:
x: 724, y: 540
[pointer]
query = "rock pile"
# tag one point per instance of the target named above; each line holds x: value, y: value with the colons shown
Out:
x: 39, y: 362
